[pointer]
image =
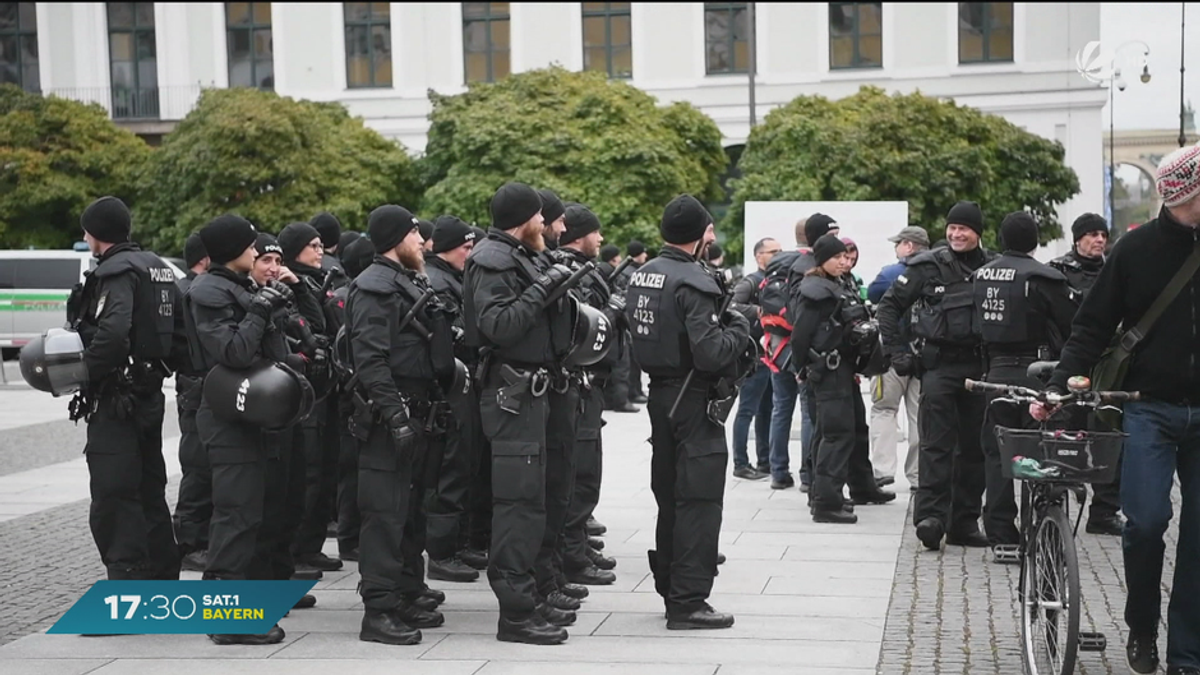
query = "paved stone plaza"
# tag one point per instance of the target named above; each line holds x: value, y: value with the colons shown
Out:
x: 809, y: 598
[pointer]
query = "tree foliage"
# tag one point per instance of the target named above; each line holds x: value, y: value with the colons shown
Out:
x: 272, y: 160
x: 914, y: 148
x: 56, y: 157
x: 602, y: 143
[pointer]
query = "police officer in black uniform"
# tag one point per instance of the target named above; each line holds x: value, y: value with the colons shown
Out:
x: 578, y: 245
x: 303, y: 253
x: 125, y: 315
x: 507, y: 303
x: 674, y: 308
x: 329, y: 229
x: 1082, y: 267
x: 236, y: 324
x: 1023, y: 309
x: 832, y: 336
x: 193, y: 508
x: 453, y: 240
x: 398, y: 351
x: 937, y: 287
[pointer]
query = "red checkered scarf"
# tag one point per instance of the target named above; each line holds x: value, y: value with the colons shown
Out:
x: 1178, y: 176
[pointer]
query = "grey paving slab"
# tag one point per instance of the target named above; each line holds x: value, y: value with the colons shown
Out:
x: 287, y: 667
x: 42, y: 646
x: 739, y: 669
x: 51, y: 666
x: 753, y: 627
x: 348, y: 646
x: 838, y: 587
x: 511, y: 668
x: 457, y: 622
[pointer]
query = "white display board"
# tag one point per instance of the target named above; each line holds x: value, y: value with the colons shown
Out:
x: 869, y: 224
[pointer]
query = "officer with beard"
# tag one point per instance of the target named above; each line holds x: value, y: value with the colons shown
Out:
x: 125, y: 316
x: 193, y: 508
x: 1082, y: 267
x: 674, y: 307
x: 452, y: 243
x: 234, y: 323
x: 578, y: 245
x: 939, y: 282
x: 396, y: 364
x: 510, y: 315
x: 303, y: 253
x: 1024, y: 310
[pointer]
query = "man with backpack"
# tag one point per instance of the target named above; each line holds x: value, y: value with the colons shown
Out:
x: 755, y: 399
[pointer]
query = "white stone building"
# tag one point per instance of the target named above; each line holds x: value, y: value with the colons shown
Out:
x: 146, y: 62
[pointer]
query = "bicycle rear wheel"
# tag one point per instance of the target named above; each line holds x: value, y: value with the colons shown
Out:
x: 1050, y: 597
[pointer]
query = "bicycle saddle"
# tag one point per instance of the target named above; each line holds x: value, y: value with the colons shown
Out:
x: 1041, y: 370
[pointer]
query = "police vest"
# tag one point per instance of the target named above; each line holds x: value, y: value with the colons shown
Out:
x: 1080, y: 277
x: 154, y: 302
x: 660, y: 339
x: 945, y: 313
x: 1004, y: 314
x: 216, y: 291
x: 499, y: 257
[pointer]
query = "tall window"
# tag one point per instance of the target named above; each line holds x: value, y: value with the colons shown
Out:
x: 248, y: 36
x: 485, y: 41
x: 368, y: 44
x: 133, y: 57
x: 726, y: 37
x: 607, y: 41
x: 985, y: 32
x: 855, y: 34
x: 18, y: 45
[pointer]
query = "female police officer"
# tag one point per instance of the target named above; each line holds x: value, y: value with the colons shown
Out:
x: 829, y: 327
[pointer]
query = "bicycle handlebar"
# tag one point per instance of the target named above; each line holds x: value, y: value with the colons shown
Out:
x: 1027, y: 395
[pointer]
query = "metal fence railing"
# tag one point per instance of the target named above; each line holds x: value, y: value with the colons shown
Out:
x: 169, y: 103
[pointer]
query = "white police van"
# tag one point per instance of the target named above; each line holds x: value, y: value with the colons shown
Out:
x: 34, y: 286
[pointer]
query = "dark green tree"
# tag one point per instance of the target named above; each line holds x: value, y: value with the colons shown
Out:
x: 597, y: 141
x: 911, y: 147
x: 272, y: 160
x: 56, y: 157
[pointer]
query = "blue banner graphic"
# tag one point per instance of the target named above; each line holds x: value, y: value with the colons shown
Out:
x: 181, y: 607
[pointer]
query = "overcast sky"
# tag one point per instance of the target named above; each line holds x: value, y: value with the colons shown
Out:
x: 1154, y: 105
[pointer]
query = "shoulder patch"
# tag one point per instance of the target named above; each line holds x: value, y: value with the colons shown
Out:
x: 902, y: 280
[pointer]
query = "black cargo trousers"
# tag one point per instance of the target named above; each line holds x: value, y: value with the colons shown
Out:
x: 951, y: 459
x: 841, y: 451
x: 519, y: 467
x: 564, y: 402
x: 448, y: 481
x: 687, y: 477
x: 1000, y: 510
x: 129, y: 518
x: 588, y: 468
x: 194, y: 506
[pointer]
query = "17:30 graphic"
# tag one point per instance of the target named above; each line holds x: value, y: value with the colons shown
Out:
x: 158, y: 607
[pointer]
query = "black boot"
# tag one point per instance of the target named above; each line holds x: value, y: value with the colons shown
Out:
x: 271, y: 637
x: 577, y: 591
x: 474, y: 557
x: 318, y: 561
x: 930, y: 532
x: 416, y: 617
x: 703, y: 618
x: 451, y: 569
x: 595, y: 543
x: 532, y: 631
x: 591, y: 576
x: 560, y: 600
x: 308, y: 601
x: 386, y: 627
x: 600, y: 560
x: 594, y: 528
x: 555, y: 617
x: 196, y: 561
x: 433, y: 594
x: 838, y: 517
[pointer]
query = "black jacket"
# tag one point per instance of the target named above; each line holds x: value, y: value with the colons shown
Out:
x: 308, y: 295
x: 1081, y: 272
x: 1165, y: 365
x: 225, y: 332
x: 910, y: 287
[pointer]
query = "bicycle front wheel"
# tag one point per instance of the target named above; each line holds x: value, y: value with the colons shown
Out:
x: 1050, y: 597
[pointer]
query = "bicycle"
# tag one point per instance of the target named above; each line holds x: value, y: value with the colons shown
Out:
x: 1053, y: 464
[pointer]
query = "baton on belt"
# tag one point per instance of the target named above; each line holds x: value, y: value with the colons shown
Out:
x: 411, y: 317
x: 570, y: 282
x: 687, y: 381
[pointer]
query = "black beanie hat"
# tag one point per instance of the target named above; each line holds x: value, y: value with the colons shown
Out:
x: 480, y: 233
x: 107, y: 219
x: 968, y: 214
x: 816, y: 226
x: 227, y: 237
x: 388, y: 225
x: 1019, y: 232
x: 295, y: 237
x: 426, y: 229
x: 513, y: 205
x: 267, y: 243
x: 328, y: 227
x: 193, y: 251
x: 635, y: 249
x: 714, y: 251
x: 608, y: 252
x: 357, y: 256
x: 1088, y: 222
x: 827, y: 246
x: 450, y: 232
x: 684, y: 220
x: 580, y: 223
x: 552, y: 206
x: 348, y: 237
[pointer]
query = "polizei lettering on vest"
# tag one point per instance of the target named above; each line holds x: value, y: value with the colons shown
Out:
x: 996, y: 274
x: 162, y: 275
x: 647, y: 280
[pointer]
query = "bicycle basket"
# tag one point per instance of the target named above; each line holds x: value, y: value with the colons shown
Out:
x: 1059, y: 456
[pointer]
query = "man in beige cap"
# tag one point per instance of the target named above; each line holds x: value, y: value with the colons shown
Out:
x: 889, y: 389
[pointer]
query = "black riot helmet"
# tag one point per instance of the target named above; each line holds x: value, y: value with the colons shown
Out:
x: 459, y: 385
x: 591, y: 336
x: 53, y: 363
x: 268, y: 395
x: 342, y: 363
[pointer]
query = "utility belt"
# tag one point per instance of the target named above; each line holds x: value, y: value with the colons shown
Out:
x: 189, y: 390
x: 431, y: 416
x: 137, y: 377
x: 518, y: 385
x: 720, y: 394
x: 1010, y: 361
